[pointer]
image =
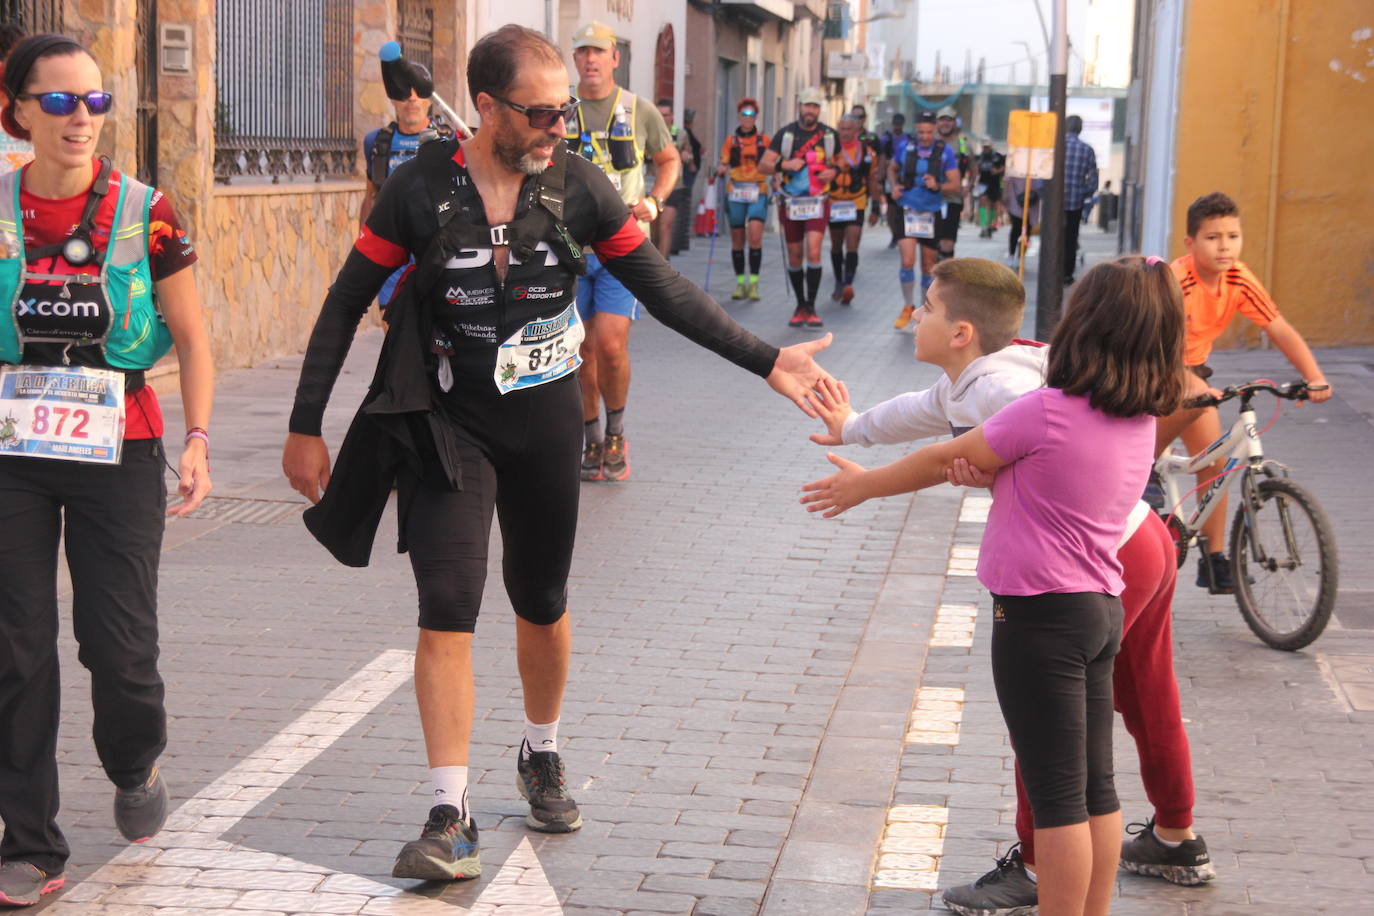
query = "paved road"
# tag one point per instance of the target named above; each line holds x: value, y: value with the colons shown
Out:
x: 767, y: 713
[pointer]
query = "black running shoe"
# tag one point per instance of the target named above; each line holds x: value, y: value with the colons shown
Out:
x: 1187, y: 863
x: 139, y: 813
x: 22, y: 883
x: 540, y: 780
x: 1005, y: 891
x: 447, y: 849
x: 1221, y: 574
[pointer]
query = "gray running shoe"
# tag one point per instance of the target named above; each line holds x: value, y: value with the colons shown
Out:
x: 1005, y: 891
x: 22, y: 883
x: 591, y: 461
x: 447, y: 849
x: 139, y: 813
x: 540, y: 780
x: 1187, y: 863
x: 615, y: 460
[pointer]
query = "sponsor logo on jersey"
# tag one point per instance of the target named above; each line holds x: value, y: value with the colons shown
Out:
x: 537, y: 292
x: 458, y: 295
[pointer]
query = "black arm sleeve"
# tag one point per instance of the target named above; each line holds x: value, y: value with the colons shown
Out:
x: 349, y: 297
x: 687, y: 309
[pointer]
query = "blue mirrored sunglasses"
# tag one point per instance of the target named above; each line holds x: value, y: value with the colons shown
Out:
x: 64, y: 103
x: 747, y: 113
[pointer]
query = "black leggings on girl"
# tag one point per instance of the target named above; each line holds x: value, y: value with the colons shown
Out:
x: 1052, y: 666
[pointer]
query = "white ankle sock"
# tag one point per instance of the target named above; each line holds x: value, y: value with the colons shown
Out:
x: 1169, y: 843
x: 539, y: 738
x: 450, y: 787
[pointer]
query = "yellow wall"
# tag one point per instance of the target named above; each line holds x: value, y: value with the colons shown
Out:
x: 1276, y: 108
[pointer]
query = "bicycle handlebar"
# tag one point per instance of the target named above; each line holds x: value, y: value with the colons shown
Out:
x: 1292, y: 391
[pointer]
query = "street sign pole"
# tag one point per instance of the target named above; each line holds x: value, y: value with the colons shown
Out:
x: 1050, y: 289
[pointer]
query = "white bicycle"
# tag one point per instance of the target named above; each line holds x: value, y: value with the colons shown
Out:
x: 1283, y: 552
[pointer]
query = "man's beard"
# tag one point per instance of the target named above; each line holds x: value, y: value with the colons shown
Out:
x: 809, y: 122
x: 517, y: 156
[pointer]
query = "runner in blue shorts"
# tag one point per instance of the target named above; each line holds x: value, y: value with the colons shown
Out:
x: 746, y: 195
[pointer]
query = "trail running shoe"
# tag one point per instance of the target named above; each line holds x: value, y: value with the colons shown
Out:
x: 615, y: 460
x: 1187, y: 863
x: 754, y: 289
x: 740, y: 290
x: 1221, y: 574
x: 1005, y: 891
x: 904, y: 319
x: 139, y: 813
x: 591, y: 461
x: 798, y: 319
x: 540, y: 780
x: 837, y: 292
x: 21, y: 883
x: 447, y: 849
x: 813, y: 320
x: 847, y: 294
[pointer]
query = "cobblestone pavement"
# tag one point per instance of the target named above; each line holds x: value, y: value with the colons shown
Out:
x: 758, y: 700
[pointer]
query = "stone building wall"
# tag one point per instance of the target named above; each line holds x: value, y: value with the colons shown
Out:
x: 268, y: 252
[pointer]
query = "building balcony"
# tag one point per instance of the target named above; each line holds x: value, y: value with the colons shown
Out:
x: 762, y: 11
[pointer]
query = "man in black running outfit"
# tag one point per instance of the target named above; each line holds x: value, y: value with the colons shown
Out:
x: 476, y: 405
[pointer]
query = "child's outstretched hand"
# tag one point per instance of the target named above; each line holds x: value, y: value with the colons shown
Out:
x: 832, y: 406
x: 838, y: 492
x: 962, y: 474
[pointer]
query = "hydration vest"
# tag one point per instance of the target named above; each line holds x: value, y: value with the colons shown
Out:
x: 933, y: 163
x: 542, y: 221
x: 379, y: 166
x: 136, y: 336
x: 757, y: 142
x: 620, y: 154
x: 789, y: 137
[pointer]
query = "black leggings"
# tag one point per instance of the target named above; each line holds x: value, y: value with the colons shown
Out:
x: 1052, y: 667
x: 520, y: 455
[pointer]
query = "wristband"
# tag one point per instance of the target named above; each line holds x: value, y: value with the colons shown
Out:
x: 195, y: 432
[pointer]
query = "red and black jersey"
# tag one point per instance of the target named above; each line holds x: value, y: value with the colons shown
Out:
x: 50, y: 222
x: 475, y: 310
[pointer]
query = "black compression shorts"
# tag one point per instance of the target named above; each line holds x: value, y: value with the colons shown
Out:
x: 520, y: 456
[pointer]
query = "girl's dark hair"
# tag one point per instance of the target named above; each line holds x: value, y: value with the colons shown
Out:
x: 1120, y: 342
x: 18, y: 67
x: 497, y: 58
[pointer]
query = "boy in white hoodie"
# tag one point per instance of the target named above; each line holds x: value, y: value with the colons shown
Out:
x: 967, y: 327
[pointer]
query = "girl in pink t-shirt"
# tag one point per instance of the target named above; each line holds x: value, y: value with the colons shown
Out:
x: 1074, y: 457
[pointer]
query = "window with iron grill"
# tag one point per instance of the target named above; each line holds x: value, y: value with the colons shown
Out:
x: 284, y: 84
x: 416, y: 25
x: 33, y: 15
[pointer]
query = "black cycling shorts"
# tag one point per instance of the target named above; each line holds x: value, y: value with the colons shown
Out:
x: 520, y: 455
x: 1052, y: 658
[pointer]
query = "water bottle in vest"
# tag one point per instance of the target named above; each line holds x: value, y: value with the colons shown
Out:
x: 622, y: 141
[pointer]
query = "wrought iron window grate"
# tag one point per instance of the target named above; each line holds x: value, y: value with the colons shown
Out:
x: 33, y: 15
x: 284, y: 80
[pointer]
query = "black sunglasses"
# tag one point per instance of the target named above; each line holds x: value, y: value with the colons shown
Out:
x: 542, y: 118
x: 64, y: 103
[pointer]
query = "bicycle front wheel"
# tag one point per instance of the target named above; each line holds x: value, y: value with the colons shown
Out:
x: 1283, y: 563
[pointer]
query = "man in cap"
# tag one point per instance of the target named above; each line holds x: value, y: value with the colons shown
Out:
x: 802, y: 151
x: 947, y: 227
x: 616, y: 130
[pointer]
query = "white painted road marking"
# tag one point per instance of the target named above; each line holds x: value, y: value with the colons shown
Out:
x: 186, y: 867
